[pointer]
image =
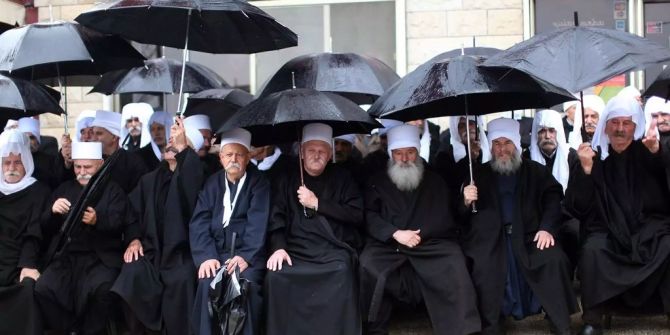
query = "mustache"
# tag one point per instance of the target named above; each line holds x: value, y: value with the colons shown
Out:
x: 619, y: 134
x: 84, y: 177
x: 544, y: 142
x: 12, y: 174
x: 233, y: 165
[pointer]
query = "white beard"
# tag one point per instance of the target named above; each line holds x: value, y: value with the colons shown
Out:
x: 506, y: 167
x: 406, y: 176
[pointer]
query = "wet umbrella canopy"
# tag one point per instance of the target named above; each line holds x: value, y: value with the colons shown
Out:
x: 661, y: 86
x: 160, y: 75
x: 359, y: 78
x: 219, y: 104
x: 576, y: 58
x: 20, y: 98
x: 279, y: 117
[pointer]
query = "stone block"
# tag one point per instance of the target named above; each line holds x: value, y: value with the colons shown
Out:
x: 427, y: 24
x: 505, y: 22
x: 492, y: 4
x: 70, y: 12
x: 433, y: 5
x: 44, y: 14
x: 500, y: 42
x: 466, y: 23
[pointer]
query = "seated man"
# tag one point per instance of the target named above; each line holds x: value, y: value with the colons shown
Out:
x: 44, y: 163
x: 73, y: 291
x: 515, y: 269
x: 619, y: 193
x: 593, y: 107
x: 159, y: 128
x: 23, y: 200
x: 413, y: 243
x: 234, y: 200
x: 313, y: 239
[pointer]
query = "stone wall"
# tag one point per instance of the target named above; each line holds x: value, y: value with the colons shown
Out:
x: 11, y: 12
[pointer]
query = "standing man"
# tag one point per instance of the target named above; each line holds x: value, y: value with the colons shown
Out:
x: 313, y: 236
x: 413, y: 243
x: 515, y: 268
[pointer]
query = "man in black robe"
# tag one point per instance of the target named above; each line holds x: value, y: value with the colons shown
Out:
x: 210, y: 161
x: 377, y: 158
x: 271, y: 160
x: 234, y: 200
x: 158, y: 278
x: 159, y: 128
x: 73, y: 291
x: 313, y: 236
x: 620, y: 195
x: 23, y: 200
x: 509, y: 240
x: 413, y: 244
x: 44, y: 163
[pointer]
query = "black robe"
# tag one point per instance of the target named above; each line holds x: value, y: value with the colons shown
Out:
x: 45, y: 169
x: 537, y: 207
x: 127, y: 170
x: 148, y: 157
x: 21, y: 216
x: 318, y: 294
x: 623, y: 205
x: 73, y: 291
x: 211, y: 164
x: 164, y: 202
x: 438, y: 259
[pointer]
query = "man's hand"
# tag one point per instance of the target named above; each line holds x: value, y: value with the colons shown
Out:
x: 650, y: 139
x: 469, y: 195
x: 178, y: 135
x: 307, y: 198
x: 586, y: 155
x: 61, y: 206
x: 208, y: 268
x: 236, y: 261
x: 408, y: 238
x: 278, y: 257
x: 134, y: 251
x: 66, y: 150
x: 544, y: 240
x: 89, y: 217
x: 29, y: 273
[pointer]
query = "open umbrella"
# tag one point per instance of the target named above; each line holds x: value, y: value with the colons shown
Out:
x: 6, y: 26
x: 20, y: 98
x: 661, y: 86
x: 218, y: 104
x: 220, y: 26
x: 361, y: 79
x: 159, y: 75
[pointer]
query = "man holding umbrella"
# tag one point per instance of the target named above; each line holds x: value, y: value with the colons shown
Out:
x: 23, y: 200
x: 515, y: 268
x: 313, y: 236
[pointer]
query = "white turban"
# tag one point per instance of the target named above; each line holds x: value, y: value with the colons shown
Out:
x: 140, y: 110
x: 238, y: 136
x: 198, y: 121
x: 655, y: 105
x: 618, y: 106
x: 551, y: 119
x: 16, y: 142
x: 108, y: 120
x: 30, y: 125
x: 388, y: 124
x: 86, y: 150
x: 164, y: 119
x: 351, y: 138
x: 317, y: 132
x: 630, y: 91
x: 504, y: 127
x: 592, y: 102
x: 84, y: 120
x: 458, y: 148
x: 195, y: 136
x: 404, y: 136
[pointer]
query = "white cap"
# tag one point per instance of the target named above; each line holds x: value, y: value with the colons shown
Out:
x: 86, y: 150
x: 403, y: 136
x: 84, y: 120
x: 568, y: 104
x: 388, y: 124
x: 595, y: 103
x: 503, y: 127
x: 30, y: 125
x: 195, y: 136
x: 237, y: 135
x: 629, y: 91
x: 198, y: 121
x: 351, y: 138
x: 136, y: 109
x: 317, y: 132
x: 108, y: 120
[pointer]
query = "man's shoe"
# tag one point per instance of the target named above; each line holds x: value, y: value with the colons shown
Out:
x: 589, y: 329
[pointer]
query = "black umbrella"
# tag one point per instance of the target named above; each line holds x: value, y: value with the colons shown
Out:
x: 228, y: 299
x: 219, y: 104
x: 576, y: 58
x: 64, y: 49
x: 160, y: 75
x: 20, y: 98
x: 6, y: 26
x: 661, y: 86
x: 473, y: 51
x: 361, y: 79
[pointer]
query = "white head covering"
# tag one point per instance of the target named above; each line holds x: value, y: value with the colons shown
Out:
x: 317, y: 132
x: 618, y: 106
x: 403, y: 136
x: 166, y: 120
x: 11, y: 124
x: 593, y: 102
x: 388, y: 124
x: 351, y: 138
x: 504, y: 127
x: 198, y: 121
x: 108, y: 120
x: 424, y: 152
x: 195, y: 136
x: 458, y: 148
x: 568, y: 104
x: 238, y: 136
x: 551, y: 119
x: 30, y: 125
x: 84, y: 120
x: 16, y: 142
x: 140, y: 110
x: 654, y: 105
x: 630, y: 91
x: 86, y: 150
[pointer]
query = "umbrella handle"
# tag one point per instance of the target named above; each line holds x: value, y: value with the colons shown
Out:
x: 467, y: 129
x: 183, y: 64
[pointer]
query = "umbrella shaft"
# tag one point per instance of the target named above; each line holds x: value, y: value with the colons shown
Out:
x: 183, y: 63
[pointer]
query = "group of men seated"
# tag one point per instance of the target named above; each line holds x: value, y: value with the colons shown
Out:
x: 333, y: 248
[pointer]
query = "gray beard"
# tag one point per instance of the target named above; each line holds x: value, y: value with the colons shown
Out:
x: 406, y: 177
x: 506, y: 167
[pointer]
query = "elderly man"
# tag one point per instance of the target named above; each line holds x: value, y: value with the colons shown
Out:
x: 515, y: 267
x: 159, y: 128
x: 619, y: 193
x: 45, y: 170
x: 73, y: 291
x: 129, y: 167
x: 413, y: 244
x: 658, y: 109
x: 158, y: 263
x: 133, y: 117
x: 210, y: 162
x: 235, y: 200
x: 23, y: 200
x: 593, y: 107
x: 569, y: 109
x: 377, y: 159
x: 313, y: 236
